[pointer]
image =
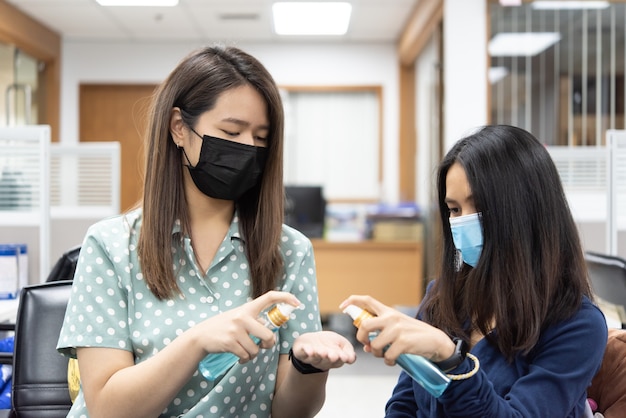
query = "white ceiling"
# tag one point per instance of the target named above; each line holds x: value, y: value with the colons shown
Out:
x: 204, y: 20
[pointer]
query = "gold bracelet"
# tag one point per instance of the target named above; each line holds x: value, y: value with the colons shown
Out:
x: 468, y: 374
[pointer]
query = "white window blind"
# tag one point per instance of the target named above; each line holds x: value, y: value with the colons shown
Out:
x: 594, y: 179
x: 85, y: 179
x: 616, y: 141
x: 332, y: 138
x: 24, y: 187
x: 583, y: 172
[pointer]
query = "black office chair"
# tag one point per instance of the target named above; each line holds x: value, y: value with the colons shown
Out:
x: 608, y: 277
x: 65, y: 266
x: 36, y: 392
x: 63, y: 269
x: 39, y: 386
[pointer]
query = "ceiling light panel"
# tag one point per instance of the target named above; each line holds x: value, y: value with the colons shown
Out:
x: 497, y: 73
x: 147, y: 3
x: 522, y: 44
x: 569, y: 5
x: 311, y: 18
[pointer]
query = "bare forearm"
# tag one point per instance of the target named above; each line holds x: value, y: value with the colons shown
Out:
x: 155, y: 382
x: 298, y: 394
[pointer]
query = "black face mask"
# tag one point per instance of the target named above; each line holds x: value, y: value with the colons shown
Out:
x: 227, y: 169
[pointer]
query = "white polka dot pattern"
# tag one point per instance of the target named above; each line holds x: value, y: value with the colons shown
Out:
x: 111, y: 306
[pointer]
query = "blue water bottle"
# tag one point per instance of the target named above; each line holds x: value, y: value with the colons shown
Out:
x: 215, y: 365
x: 429, y: 376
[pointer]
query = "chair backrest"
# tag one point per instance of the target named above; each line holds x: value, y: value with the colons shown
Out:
x: 40, y: 387
x: 65, y: 266
x: 608, y: 277
x: 608, y: 388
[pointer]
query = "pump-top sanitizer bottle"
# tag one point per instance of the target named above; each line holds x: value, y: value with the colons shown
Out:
x: 215, y: 365
x: 429, y: 376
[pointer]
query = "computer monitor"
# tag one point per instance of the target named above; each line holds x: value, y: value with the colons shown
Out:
x: 305, y: 209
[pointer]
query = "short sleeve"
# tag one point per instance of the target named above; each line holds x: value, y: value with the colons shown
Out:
x: 97, y: 311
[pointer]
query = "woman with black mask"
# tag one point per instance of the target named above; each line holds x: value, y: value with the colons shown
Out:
x: 188, y: 273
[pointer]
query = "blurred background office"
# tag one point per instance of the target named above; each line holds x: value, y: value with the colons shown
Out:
x: 370, y: 111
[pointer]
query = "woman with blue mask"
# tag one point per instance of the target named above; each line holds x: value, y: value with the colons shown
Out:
x: 510, y: 319
x: 185, y: 276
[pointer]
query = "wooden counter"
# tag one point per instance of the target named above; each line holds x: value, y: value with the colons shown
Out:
x: 389, y: 271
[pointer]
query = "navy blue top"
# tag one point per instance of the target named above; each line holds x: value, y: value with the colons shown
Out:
x: 551, y: 381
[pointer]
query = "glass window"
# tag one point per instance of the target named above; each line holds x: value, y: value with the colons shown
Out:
x: 570, y: 89
x: 18, y: 83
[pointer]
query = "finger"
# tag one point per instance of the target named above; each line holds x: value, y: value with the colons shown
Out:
x: 244, y: 348
x: 379, y: 345
x: 322, y: 359
x: 352, y: 300
x: 365, y: 302
x: 389, y: 361
x: 273, y: 297
x: 375, y: 324
x: 263, y: 334
x: 336, y: 357
x: 363, y: 336
x: 267, y: 340
x: 345, y: 358
x: 391, y: 354
x: 249, y: 350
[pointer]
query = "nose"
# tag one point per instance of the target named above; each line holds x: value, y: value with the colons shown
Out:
x: 248, y: 139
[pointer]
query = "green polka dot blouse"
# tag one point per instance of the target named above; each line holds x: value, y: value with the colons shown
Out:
x: 112, y: 307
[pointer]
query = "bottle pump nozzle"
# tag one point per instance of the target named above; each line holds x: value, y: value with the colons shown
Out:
x: 357, y: 314
x: 280, y: 313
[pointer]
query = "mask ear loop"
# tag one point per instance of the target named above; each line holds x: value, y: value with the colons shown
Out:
x: 183, y: 148
x: 185, y: 154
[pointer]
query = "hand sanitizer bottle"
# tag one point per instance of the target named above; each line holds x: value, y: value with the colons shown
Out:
x: 429, y: 376
x: 215, y: 365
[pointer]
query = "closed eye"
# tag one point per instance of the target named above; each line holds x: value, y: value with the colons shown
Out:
x: 233, y: 134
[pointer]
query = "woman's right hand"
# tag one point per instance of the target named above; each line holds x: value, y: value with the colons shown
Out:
x: 112, y: 381
x: 398, y: 333
x: 230, y: 331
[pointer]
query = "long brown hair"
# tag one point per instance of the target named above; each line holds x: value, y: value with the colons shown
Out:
x: 531, y: 272
x: 194, y: 86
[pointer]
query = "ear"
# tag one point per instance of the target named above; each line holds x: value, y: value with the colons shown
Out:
x: 177, y: 126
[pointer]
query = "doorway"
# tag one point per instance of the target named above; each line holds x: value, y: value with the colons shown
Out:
x: 118, y: 113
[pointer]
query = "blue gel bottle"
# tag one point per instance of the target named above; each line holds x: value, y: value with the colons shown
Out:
x: 215, y: 365
x: 429, y: 376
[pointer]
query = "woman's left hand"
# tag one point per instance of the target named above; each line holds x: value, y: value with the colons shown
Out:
x: 324, y: 349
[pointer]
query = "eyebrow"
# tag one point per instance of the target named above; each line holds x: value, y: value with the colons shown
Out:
x: 470, y: 199
x: 243, y: 123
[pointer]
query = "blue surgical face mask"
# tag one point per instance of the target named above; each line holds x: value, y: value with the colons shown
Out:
x: 467, y: 235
